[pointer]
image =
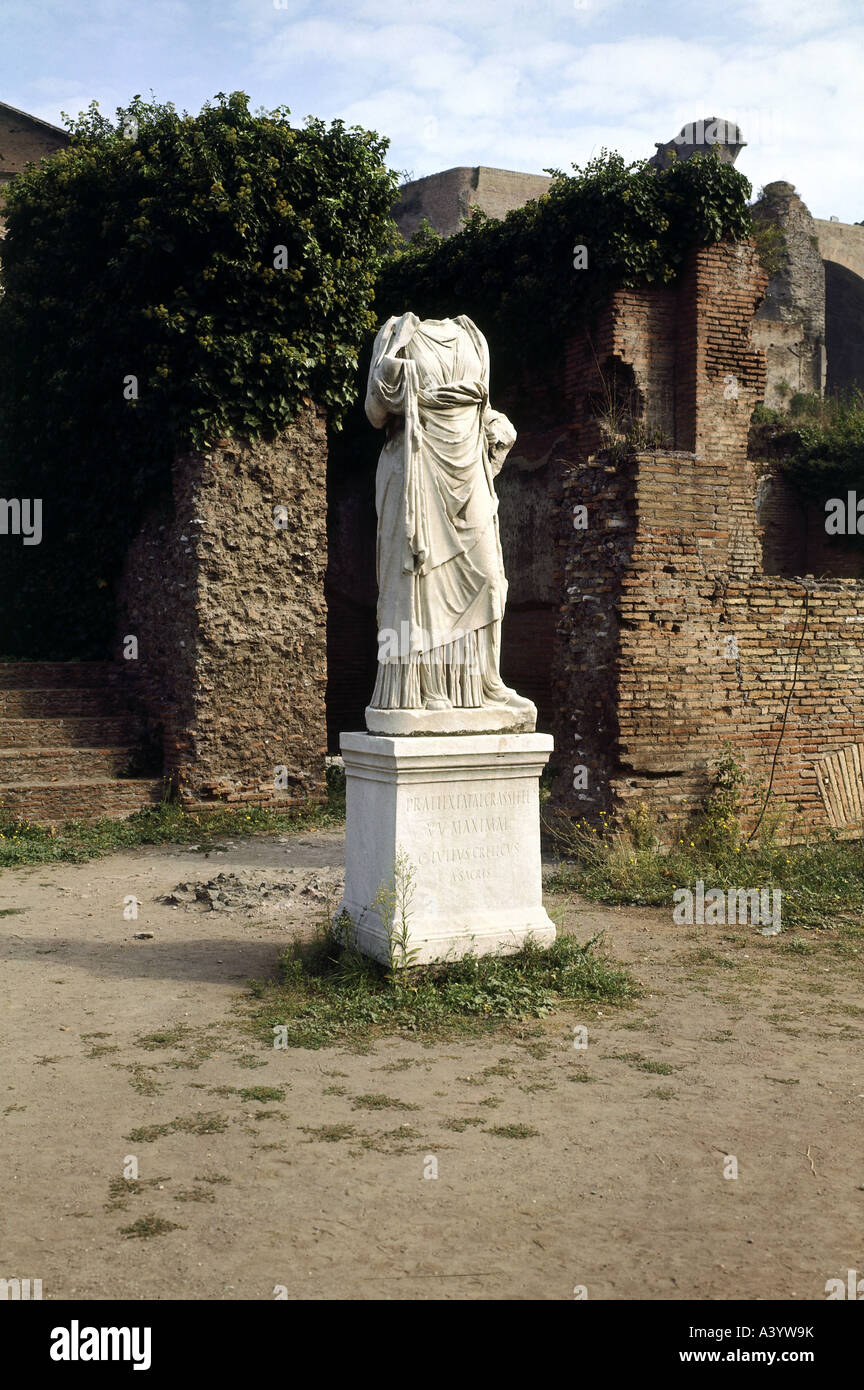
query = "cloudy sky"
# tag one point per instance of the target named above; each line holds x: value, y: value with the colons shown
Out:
x: 517, y: 84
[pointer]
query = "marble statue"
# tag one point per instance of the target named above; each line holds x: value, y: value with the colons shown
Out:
x: 441, y: 582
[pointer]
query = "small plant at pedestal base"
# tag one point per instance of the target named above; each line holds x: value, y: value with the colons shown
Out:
x: 392, y: 902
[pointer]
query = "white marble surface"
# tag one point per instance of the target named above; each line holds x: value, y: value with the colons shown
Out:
x: 465, y: 812
x: 488, y: 719
x: 441, y: 583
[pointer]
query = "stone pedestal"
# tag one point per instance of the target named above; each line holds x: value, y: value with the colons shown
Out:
x: 464, y: 812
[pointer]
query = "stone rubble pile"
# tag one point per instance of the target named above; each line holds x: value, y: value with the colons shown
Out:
x: 229, y: 891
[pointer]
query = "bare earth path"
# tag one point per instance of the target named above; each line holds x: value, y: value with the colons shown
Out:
x: 740, y: 1046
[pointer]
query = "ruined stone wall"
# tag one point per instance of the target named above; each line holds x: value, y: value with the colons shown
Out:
x: 790, y: 323
x: 445, y: 199
x: 842, y: 243
x: 22, y: 140
x: 229, y: 613
x: 794, y: 539
x: 679, y: 644
x: 673, y: 639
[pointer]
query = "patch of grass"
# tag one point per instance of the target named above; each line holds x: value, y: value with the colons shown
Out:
x: 330, y: 1134
x: 706, y: 956
x: 144, y: 1085
x: 211, y: 1177
x: 377, y: 1101
x: 538, y: 1050
x: 121, y: 1189
x: 503, y: 1067
x: 820, y: 881
x: 262, y: 1093
x: 330, y: 994
x: 662, y: 1093
x: 168, y: 1037
x: 12, y: 911
x: 391, y: 1141
x: 148, y: 1134
x: 148, y: 1226
x: 75, y: 841
x: 249, y: 1061
x: 644, y: 1063
x: 195, y: 1194
x: 514, y: 1132
x: 461, y: 1123
x: 203, y: 1123
x: 101, y: 1049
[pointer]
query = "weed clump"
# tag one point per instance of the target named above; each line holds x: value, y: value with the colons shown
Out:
x: 330, y: 993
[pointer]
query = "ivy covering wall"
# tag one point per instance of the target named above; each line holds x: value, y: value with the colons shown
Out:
x: 524, y: 280
x: 168, y: 280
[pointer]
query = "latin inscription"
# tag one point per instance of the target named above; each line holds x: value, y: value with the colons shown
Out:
x: 472, y: 861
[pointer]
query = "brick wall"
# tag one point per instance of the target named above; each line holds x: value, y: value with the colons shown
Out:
x: 230, y: 618
x: 673, y: 639
x: 23, y: 139
x: 669, y: 625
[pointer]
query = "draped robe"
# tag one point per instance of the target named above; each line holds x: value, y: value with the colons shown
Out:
x: 441, y: 581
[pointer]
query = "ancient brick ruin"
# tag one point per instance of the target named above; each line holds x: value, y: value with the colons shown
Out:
x: 673, y: 640
x: 220, y: 697
x: 695, y: 601
x: 24, y: 138
x: 224, y: 592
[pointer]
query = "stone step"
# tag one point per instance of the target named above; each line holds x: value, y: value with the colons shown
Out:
x: 59, y: 702
x: 54, y: 675
x: 106, y: 731
x: 55, y: 802
x: 45, y: 764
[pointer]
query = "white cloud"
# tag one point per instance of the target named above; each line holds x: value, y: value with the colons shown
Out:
x: 515, y: 83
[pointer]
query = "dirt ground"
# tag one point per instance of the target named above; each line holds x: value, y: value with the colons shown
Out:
x: 739, y: 1046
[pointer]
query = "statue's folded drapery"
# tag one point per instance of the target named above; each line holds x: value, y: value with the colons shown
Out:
x: 441, y: 579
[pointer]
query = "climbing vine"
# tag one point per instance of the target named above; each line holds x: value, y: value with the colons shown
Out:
x: 520, y: 278
x: 168, y: 279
